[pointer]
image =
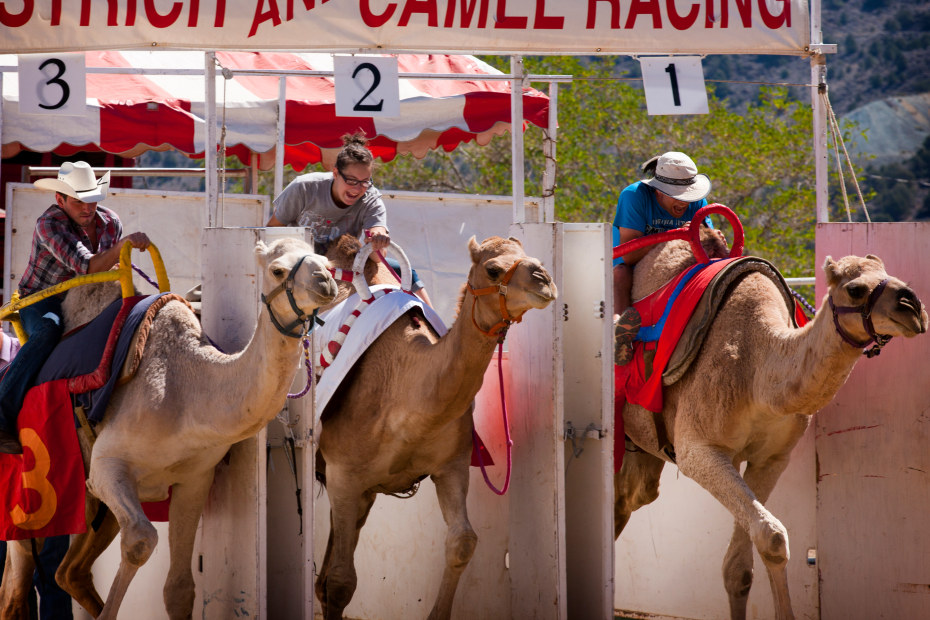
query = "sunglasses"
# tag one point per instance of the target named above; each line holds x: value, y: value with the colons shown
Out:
x: 353, y: 182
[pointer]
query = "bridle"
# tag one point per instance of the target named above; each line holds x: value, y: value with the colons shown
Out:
x: 865, y: 310
x: 499, y: 329
x: 304, y: 322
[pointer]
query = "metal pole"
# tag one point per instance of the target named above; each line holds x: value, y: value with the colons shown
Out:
x: 819, y: 80
x: 279, y: 142
x: 516, y: 138
x: 549, y: 150
x: 209, y: 148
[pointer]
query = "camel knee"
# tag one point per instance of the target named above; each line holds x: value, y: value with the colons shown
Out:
x: 335, y: 592
x: 138, y: 542
x: 460, y: 548
x: 737, y: 574
x: 771, y: 540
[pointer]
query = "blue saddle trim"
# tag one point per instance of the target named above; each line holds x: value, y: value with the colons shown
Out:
x: 651, y: 333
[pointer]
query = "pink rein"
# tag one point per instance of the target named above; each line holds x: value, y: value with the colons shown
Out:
x: 692, y: 234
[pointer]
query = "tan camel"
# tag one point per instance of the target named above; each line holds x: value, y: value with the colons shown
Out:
x: 749, y: 396
x: 405, y: 413
x: 171, y: 425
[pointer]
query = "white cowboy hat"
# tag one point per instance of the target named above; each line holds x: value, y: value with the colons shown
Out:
x: 77, y: 180
x: 677, y: 176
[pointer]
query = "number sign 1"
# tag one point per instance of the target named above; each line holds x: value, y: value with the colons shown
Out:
x: 674, y: 85
x: 367, y: 86
x: 52, y: 84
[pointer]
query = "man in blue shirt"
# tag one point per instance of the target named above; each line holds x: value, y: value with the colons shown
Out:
x: 667, y: 199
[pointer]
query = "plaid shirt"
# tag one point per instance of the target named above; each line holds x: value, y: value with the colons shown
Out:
x: 62, y: 250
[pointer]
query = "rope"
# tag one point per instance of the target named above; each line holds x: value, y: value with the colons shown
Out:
x: 838, y: 142
x: 308, y: 365
x: 809, y: 308
x: 500, y: 378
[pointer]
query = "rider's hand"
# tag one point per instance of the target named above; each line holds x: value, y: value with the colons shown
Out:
x: 138, y: 240
x: 378, y: 237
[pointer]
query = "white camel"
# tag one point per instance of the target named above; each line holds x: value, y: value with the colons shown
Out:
x: 169, y: 427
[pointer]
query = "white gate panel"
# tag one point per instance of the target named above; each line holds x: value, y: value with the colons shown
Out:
x: 588, y: 367
x: 172, y: 220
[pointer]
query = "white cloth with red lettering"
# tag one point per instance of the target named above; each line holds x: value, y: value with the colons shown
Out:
x: 371, y: 323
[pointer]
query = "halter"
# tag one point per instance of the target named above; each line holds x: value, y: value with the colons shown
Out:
x: 499, y: 329
x: 865, y: 310
x: 303, y: 319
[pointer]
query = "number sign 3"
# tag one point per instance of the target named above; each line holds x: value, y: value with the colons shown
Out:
x: 52, y: 84
x: 674, y: 85
x: 367, y: 86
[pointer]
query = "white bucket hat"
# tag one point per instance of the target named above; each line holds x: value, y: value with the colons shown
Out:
x: 78, y: 181
x: 677, y: 176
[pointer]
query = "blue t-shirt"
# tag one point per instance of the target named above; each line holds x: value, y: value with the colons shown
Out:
x: 638, y: 209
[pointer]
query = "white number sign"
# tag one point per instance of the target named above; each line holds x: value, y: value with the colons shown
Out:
x: 52, y: 84
x: 366, y: 86
x: 674, y: 85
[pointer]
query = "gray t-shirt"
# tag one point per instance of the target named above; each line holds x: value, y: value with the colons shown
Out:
x: 308, y: 201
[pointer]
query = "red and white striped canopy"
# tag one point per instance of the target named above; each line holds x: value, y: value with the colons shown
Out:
x: 127, y: 114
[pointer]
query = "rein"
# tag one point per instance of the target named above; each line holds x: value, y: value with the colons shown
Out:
x: 865, y: 310
x: 304, y: 322
x: 500, y: 328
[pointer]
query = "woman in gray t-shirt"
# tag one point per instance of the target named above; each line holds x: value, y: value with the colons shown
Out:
x: 345, y: 200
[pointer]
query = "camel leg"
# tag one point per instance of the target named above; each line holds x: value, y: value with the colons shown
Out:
x: 338, y: 580
x: 711, y: 468
x: 17, y: 580
x: 74, y: 574
x: 737, y: 564
x: 111, y: 481
x: 461, y: 540
x: 187, y: 502
x: 635, y: 485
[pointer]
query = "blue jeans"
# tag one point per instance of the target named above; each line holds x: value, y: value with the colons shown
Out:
x: 55, y: 603
x: 42, y: 323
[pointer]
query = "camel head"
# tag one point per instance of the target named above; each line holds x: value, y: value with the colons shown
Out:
x: 291, y: 267
x: 505, y: 282
x: 868, y: 304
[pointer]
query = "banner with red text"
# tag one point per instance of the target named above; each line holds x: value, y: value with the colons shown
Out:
x: 468, y: 26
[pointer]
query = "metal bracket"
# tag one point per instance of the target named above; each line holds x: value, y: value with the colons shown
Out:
x: 822, y: 48
x: 591, y: 431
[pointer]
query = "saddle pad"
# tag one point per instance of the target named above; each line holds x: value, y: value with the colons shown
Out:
x: 370, y: 324
x: 43, y: 489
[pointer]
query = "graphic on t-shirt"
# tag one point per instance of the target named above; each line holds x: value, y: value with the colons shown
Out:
x: 323, y: 231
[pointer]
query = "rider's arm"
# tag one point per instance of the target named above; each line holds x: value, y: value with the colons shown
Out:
x: 102, y: 261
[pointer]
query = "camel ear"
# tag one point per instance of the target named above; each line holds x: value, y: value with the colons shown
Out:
x: 261, y: 250
x: 517, y: 241
x: 830, y: 268
x: 876, y: 259
x: 473, y: 249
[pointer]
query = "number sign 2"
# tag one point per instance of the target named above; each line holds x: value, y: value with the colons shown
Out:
x: 674, y: 85
x: 367, y: 86
x: 52, y: 84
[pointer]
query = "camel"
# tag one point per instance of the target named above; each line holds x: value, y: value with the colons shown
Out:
x: 404, y: 412
x: 749, y: 396
x: 171, y: 425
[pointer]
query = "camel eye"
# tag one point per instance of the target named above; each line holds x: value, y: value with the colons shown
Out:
x: 856, y: 290
x: 494, y: 272
x: 278, y: 272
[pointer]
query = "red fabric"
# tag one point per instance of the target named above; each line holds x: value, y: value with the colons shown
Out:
x: 477, y: 446
x: 157, y: 511
x: 43, y: 490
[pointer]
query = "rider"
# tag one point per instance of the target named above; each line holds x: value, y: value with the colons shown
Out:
x: 73, y: 237
x: 667, y: 199
x: 338, y: 202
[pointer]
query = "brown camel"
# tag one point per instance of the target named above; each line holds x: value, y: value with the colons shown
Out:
x: 404, y: 412
x: 170, y: 426
x: 749, y: 396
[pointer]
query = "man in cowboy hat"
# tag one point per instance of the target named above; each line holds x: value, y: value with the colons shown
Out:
x: 72, y: 237
x: 667, y: 199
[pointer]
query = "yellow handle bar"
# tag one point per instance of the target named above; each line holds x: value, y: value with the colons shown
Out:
x: 10, y: 310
